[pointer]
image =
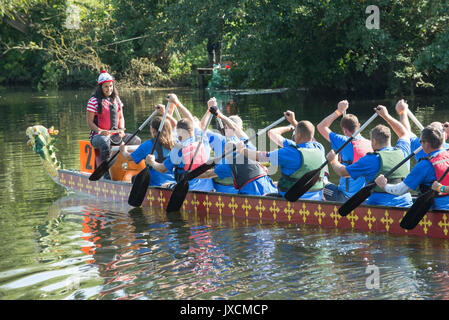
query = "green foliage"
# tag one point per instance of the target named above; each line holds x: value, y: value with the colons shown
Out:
x: 276, y: 43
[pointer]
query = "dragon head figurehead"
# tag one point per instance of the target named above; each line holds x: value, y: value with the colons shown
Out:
x: 42, y: 141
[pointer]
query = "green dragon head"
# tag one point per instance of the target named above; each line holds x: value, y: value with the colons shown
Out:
x: 42, y: 142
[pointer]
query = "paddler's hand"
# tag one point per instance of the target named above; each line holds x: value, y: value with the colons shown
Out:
x: 381, y: 181
x: 240, y: 146
x: 436, y: 186
x: 331, y: 156
x: 446, y: 128
x: 150, y: 159
x: 290, y: 116
x: 122, y: 147
x: 401, y: 107
x: 382, y: 111
x: 160, y: 108
x: 172, y: 98
x: 121, y: 134
x: 104, y: 133
x: 342, y: 106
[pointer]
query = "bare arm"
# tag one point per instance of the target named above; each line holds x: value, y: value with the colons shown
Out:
x: 336, y: 165
x: 324, y: 126
x: 401, y: 109
x: 185, y: 113
x: 275, y: 134
x: 397, y: 127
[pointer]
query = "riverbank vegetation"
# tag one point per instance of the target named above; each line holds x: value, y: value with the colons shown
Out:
x: 320, y: 45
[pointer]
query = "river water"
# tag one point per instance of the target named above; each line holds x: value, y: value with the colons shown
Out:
x: 61, y: 245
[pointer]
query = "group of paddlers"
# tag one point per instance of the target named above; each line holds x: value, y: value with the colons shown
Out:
x: 183, y: 145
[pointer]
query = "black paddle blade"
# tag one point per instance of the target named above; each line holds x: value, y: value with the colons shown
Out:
x: 178, y: 196
x: 302, y: 185
x: 139, y: 189
x: 200, y: 170
x: 356, y: 199
x: 99, y: 171
x: 417, y: 211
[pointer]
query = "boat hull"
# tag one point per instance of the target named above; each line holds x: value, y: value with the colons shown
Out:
x: 364, y: 218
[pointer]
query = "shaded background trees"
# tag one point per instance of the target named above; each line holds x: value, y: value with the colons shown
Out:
x: 322, y: 45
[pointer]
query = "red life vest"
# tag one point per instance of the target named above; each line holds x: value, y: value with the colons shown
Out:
x: 440, y: 163
x: 360, y: 148
x: 187, y: 155
x: 109, y: 117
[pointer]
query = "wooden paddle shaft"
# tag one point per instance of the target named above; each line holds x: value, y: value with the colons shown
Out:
x: 416, y: 121
x: 161, y: 125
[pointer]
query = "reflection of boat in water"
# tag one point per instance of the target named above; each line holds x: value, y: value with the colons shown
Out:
x: 364, y: 218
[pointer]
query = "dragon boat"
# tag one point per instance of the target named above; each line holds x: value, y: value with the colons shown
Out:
x: 435, y: 224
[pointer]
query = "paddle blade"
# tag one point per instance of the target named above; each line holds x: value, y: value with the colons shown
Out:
x: 417, y: 211
x: 178, y: 196
x: 139, y: 188
x: 99, y: 171
x: 356, y: 199
x: 302, y: 185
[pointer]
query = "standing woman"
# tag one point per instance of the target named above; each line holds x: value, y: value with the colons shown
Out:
x: 105, y: 118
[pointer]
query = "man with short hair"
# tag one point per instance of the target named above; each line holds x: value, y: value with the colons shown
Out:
x: 401, y: 109
x: 350, y: 154
x: 295, y: 157
x: 384, y: 158
x: 426, y: 171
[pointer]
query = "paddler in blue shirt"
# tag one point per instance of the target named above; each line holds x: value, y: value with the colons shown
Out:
x: 249, y: 177
x: 384, y: 158
x: 427, y: 170
x: 350, y: 154
x: 401, y: 109
x: 295, y: 158
x: 181, y: 155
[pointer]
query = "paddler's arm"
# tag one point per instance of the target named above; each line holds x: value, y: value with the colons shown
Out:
x: 231, y: 125
x: 397, y: 189
x: 151, y: 161
x: 401, y: 109
x: 255, y: 155
x: 397, y: 127
x: 161, y: 110
x: 208, y: 174
x: 125, y: 153
x: 185, y: 113
x: 336, y: 165
x: 324, y: 126
x: 275, y: 134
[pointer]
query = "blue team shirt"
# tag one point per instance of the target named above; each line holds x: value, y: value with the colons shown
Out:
x: 289, y: 160
x: 156, y: 178
x: 368, y: 167
x: 424, y: 173
x: 260, y: 186
x: 175, y: 159
x: 347, y: 154
x: 415, y: 144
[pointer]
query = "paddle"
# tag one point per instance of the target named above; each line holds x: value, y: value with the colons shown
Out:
x: 142, y: 180
x: 104, y: 166
x: 423, y: 203
x: 182, y: 187
x: 420, y: 207
x: 310, y: 178
x: 367, y: 190
x: 211, y: 163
